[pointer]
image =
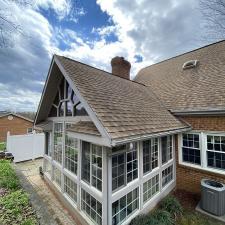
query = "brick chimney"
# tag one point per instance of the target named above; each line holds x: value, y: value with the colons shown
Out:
x: 120, y: 67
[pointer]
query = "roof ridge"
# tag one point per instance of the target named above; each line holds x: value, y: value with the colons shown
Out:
x: 99, y: 69
x: 173, y: 57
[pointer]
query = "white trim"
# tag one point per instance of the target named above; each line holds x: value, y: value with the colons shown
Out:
x: 89, y: 110
x: 203, y: 151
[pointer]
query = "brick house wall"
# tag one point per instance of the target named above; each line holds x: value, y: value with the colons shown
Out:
x: 16, y: 126
x: 189, y: 178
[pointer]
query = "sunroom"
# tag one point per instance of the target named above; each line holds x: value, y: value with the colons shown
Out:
x: 108, y: 185
x: 109, y: 143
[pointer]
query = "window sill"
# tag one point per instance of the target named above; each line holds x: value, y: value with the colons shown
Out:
x: 203, y: 169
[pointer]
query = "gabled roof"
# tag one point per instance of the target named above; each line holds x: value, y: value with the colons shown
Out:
x: 122, y: 107
x: 196, y: 89
x: 3, y: 114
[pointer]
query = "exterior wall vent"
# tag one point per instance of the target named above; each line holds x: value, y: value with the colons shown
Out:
x: 190, y: 64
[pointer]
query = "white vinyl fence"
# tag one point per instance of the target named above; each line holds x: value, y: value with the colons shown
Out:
x: 26, y: 147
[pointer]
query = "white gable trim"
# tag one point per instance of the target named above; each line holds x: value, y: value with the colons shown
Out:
x: 44, y: 91
x: 89, y: 110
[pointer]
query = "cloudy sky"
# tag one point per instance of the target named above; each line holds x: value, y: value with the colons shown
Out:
x: 143, y: 31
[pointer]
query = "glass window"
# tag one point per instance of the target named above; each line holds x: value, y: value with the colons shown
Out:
x: 66, y: 102
x: 92, y: 164
x: 124, y: 165
x: 57, y: 176
x: 167, y: 148
x: 125, y: 206
x: 216, y: 151
x: 191, y: 148
x: 70, y: 188
x: 167, y: 175
x: 91, y: 207
x: 48, y: 143
x: 97, y: 167
x: 58, y: 142
x: 71, y: 154
x: 150, y: 154
x: 150, y: 188
x: 47, y: 166
x: 86, y: 161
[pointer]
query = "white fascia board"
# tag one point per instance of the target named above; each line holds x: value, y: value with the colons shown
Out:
x: 98, y: 140
x: 147, y: 136
x: 44, y: 90
x: 91, y: 113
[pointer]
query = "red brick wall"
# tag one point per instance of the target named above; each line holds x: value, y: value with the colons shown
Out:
x: 15, y: 126
x: 189, y: 178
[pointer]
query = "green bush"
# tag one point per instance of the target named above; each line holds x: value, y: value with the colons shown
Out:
x: 163, y: 217
x: 2, y: 146
x: 29, y: 222
x: 172, y: 205
x: 8, y: 178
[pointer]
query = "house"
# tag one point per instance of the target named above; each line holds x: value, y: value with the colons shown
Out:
x: 115, y: 147
x: 15, y: 124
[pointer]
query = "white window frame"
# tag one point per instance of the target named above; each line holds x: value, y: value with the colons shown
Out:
x: 30, y: 132
x: 203, y: 151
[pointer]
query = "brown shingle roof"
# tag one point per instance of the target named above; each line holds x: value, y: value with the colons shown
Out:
x: 199, y: 88
x: 124, y: 108
x: 85, y: 127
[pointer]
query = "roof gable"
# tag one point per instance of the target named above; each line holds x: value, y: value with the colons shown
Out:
x: 196, y: 89
x: 16, y: 115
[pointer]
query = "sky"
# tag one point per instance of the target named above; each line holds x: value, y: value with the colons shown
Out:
x: 93, y: 32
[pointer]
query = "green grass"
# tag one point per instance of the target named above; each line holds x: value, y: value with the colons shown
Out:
x: 15, y: 208
x: 8, y: 178
x: 2, y: 146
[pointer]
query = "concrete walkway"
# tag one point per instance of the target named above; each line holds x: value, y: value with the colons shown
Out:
x: 48, y: 208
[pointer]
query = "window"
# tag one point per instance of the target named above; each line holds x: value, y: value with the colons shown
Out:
x: 58, y: 142
x: 216, y: 151
x: 48, y: 143
x: 91, y: 207
x: 57, y: 176
x: 66, y: 102
x: 92, y: 164
x: 125, y: 206
x: 70, y: 188
x: 150, y: 188
x: 191, y: 149
x: 47, y: 166
x: 29, y: 130
x: 167, y: 175
x: 124, y: 165
x: 167, y: 148
x: 97, y: 167
x: 86, y: 161
x: 71, y: 154
x: 150, y: 154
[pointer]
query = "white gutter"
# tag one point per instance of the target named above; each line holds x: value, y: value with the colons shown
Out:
x: 199, y: 112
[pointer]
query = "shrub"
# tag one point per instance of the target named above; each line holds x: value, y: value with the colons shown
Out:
x: 8, y: 178
x: 29, y: 222
x: 163, y: 217
x: 172, y: 205
x: 2, y: 146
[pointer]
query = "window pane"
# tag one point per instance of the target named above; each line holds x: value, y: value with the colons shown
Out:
x: 191, y: 149
x: 58, y: 141
x: 91, y: 207
x: 216, y: 151
x: 71, y: 154
x: 164, y: 149
x: 57, y: 176
x: 86, y: 161
x: 97, y: 167
x: 124, y: 207
x: 70, y: 188
x: 167, y: 175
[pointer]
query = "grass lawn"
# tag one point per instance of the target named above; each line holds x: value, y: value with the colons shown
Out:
x: 2, y: 146
x: 15, y: 208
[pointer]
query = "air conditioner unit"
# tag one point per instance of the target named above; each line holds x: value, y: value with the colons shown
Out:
x: 213, y: 197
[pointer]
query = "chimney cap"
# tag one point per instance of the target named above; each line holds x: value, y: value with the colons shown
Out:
x: 120, y: 60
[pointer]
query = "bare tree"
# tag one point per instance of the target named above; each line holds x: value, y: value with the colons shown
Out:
x: 8, y: 24
x: 213, y: 12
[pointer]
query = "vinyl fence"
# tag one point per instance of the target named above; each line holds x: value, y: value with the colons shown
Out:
x: 26, y: 147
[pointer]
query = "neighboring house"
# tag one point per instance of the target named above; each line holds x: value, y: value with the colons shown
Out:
x: 112, y: 143
x: 15, y: 124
